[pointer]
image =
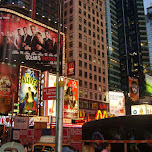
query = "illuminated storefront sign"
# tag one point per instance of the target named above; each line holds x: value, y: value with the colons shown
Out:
x: 26, y: 40
x: 141, y: 109
x: 29, y: 88
x: 117, y: 103
x: 101, y: 115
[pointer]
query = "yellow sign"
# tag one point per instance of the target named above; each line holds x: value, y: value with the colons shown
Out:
x: 100, y: 115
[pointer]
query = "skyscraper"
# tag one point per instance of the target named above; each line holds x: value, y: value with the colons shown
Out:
x: 126, y: 31
x: 84, y: 21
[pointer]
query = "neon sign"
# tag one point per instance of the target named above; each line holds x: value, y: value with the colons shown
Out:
x: 101, y: 115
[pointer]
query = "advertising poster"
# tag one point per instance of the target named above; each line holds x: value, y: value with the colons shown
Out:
x: 138, y: 110
x: 29, y: 41
x: 29, y: 88
x: 148, y: 79
x: 71, y: 98
x: 71, y: 68
x: 133, y: 89
x: 8, y: 86
x: 117, y: 103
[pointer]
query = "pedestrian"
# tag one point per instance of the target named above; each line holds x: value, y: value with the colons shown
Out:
x: 29, y: 147
x: 106, y: 147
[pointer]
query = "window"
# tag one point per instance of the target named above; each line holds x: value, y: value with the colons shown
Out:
x: 65, y: 13
x: 70, y: 53
x: 95, y: 68
x: 70, y: 44
x: 80, y: 72
x: 98, y: 37
x: 98, y: 44
x: 104, y: 80
x: 94, y: 51
x: 99, y: 78
x: 99, y: 61
x: 100, y: 97
x: 86, y: 94
x: 94, y: 35
x: 85, y: 30
x: 95, y: 77
x: 80, y: 83
x: 89, y: 24
x: 79, y: 10
x: 80, y: 36
x: 98, y: 52
x: 85, y: 47
x: 103, y: 54
x: 71, y: 2
x: 85, y: 65
x: 85, y: 38
x: 71, y: 10
x: 90, y: 49
x: 85, y: 74
x: 85, y: 22
x: 99, y: 69
x: 95, y: 95
x: 90, y: 75
x: 93, y: 18
x: 104, y: 89
x: 89, y: 8
x: 97, y: 29
x: 79, y: 3
x: 89, y: 32
x: 80, y: 27
x: 104, y: 71
x: 94, y: 59
x: 102, y: 47
x: 95, y: 86
x: 97, y: 21
x: 90, y: 58
x: 84, y: 6
x: 94, y: 42
x: 99, y: 87
x: 103, y: 63
x: 80, y: 63
x: 90, y: 66
x: 85, y: 55
x: 85, y: 84
x: 71, y: 36
x: 101, y: 16
x: 80, y: 53
x: 65, y: 5
x: 80, y: 19
x: 80, y: 93
x: 80, y: 45
x: 84, y: 13
x: 90, y: 85
x: 91, y: 95
x: 101, y: 24
x: 94, y: 26
x: 65, y: 21
x: 92, y: 11
x: 89, y: 16
x: 89, y: 40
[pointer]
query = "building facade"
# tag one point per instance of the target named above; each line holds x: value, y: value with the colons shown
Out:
x: 84, y: 21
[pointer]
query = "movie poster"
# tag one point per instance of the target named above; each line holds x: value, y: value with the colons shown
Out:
x: 8, y: 86
x: 133, y: 89
x: 28, y: 41
x: 71, y: 98
x: 29, y: 88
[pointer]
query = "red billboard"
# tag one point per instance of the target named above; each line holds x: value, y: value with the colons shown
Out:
x: 29, y: 88
x: 8, y: 86
x: 71, y: 68
x: 28, y: 41
x: 49, y: 93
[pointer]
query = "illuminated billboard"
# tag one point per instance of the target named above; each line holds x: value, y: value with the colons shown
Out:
x: 8, y: 86
x: 117, y: 103
x: 24, y: 40
x: 71, y: 68
x: 148, y: 79
x: 71, y: 98
x: 29, y: 88
x: 141, y: 109
x: 133, y: 89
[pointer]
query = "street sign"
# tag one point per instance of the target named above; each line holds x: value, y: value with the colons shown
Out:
x: 49, y: 93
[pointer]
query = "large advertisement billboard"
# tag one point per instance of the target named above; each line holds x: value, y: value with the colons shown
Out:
x: 8, y: 86
x: 117, y: 103
x: 28, y: 41
x: 29, y: 88
x: 133, y: 89
x: 71, y: 98
x: 148, y: 79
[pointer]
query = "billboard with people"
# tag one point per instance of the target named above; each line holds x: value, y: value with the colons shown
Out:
x: 133, y: 89
x: 28, y: 41
x: 29, y: 88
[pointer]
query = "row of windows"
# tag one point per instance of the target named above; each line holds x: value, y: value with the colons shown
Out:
x: 90, y: 95
x: 90, y: 76
x: 95, y: 67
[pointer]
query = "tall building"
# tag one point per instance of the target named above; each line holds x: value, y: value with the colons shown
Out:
x: 149, y: 31
x: 45, y: 11
x: 114, y: 77
x: 86, y: 47
x: 127, y: 43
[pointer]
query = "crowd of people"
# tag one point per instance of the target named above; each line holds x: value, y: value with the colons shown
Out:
x: 25, y: 42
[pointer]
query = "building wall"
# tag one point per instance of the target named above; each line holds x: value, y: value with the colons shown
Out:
x: 86, y: 45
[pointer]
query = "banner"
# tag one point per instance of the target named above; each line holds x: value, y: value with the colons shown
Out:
x: 71, y: 68
x: 71, y: 99
x: 117, y: 103
x: 148, y: 79
x: 8, y: 86
x: 29, y: 88
x: 28, y: 41
x: 133, y: 89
